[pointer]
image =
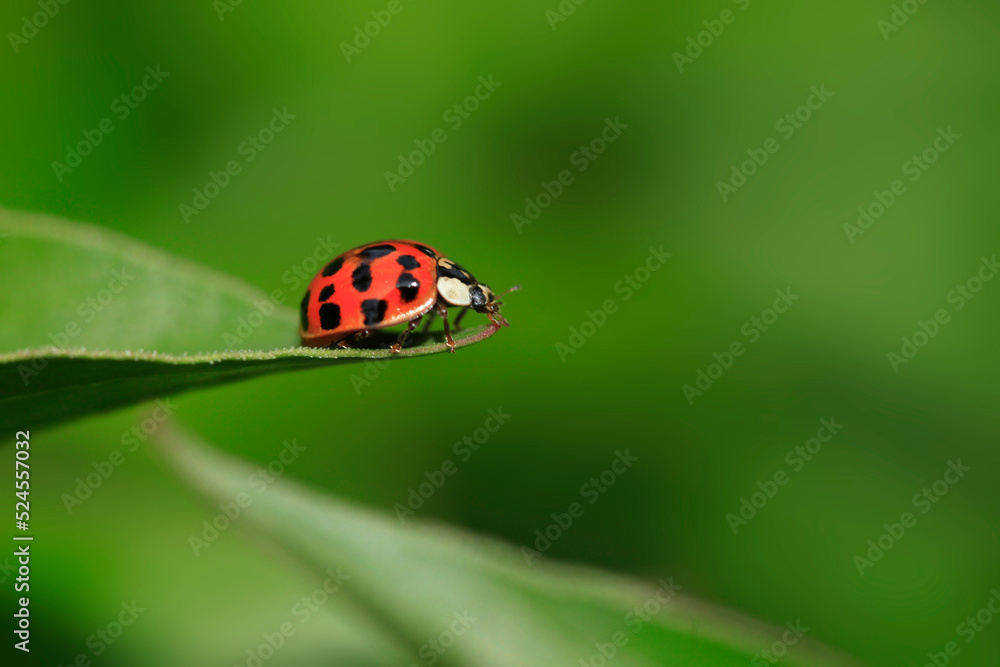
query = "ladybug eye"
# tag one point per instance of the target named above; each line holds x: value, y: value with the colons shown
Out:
x: 476, y: 297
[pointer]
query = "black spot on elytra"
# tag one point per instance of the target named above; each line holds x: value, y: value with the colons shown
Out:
x: 362, y: 277
x: 408, y: 285
x: 373, y: 310
x: 408, y: 262
x: 329, y: 316
x: 333, y: 267
x: 455, y: 271
x: 376, y: 251
x: 304, y: 312
x: 326, y: 292
x: 424, y: 249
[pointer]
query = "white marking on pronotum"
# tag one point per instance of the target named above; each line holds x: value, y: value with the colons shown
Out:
x: 454, y: 291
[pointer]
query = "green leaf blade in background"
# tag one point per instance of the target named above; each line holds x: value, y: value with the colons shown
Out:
x: 414, y: 578
x: 93, y: 320
x: 121, y: 294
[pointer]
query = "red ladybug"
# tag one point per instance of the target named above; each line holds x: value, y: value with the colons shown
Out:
x: 387, y: 283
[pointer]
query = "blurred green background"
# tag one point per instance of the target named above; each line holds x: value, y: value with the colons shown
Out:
x: 657, y: 184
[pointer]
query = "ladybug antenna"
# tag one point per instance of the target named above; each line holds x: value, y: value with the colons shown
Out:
x: 496, y: 299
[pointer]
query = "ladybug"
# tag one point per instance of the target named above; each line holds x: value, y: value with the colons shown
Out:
x: 387, y: 283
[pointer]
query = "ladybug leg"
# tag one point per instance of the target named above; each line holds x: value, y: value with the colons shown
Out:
x: 442, y: 311
x: 461, y: 314
x: 427, y: 324
x: 347, y: 342
x: 498, y: 320
x: 398, y: 345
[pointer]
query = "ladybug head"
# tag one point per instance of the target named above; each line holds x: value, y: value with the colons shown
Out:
x: 458, y: 287
x: 483, y: 300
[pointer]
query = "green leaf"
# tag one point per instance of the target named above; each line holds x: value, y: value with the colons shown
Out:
x: 415, y: 578
x: 93, y: 320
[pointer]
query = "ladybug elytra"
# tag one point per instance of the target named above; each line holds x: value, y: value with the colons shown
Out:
x: 387, y: 283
